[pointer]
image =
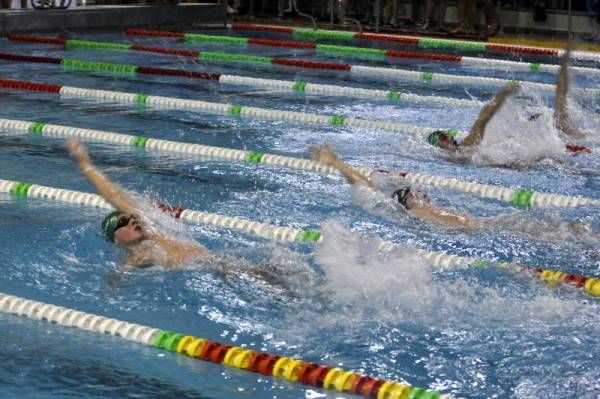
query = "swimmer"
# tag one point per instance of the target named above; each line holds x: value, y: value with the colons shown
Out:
x: 413, y: 199
x: 445, y: 139
x: 418, y: 204
x: 126, y: 227
x: 561, y: 115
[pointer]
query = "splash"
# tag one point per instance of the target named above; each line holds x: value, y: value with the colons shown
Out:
x: 400, y: 286
x: 379, y: 202
x: 520, y: 136
x: 550, y: 228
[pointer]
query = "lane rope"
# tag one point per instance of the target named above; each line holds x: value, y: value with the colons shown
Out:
x: 516, y: 196
x: 290, y: 369
x: 226, y: 109
x: 301, y: 87
x: 406, y: 74
x: 590, y: 286
x: 486, y: 63
x: 350, y: 51
x: 426, y: 78
x: 422, y: 42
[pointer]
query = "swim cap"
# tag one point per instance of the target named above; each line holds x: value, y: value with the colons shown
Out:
x: 434, y: 137
x: 108, y: 225
x: 402, y: 195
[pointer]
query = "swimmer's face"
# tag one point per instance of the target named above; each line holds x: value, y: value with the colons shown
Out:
x: 128, y: 230
x: 447, y: 142
x: 417, y: 199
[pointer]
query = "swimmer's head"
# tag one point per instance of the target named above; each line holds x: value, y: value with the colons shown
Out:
x: 411, y: 197
x: 122, y: 228
x: 444, y: 139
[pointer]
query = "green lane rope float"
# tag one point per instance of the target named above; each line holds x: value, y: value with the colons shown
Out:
x: 354, y: 51
x: 276, y: 366
x: 419, y: 41
x: 209, y: 107
x: 272, y: 84
x: 290, y: 234
x: 518, y: 197
x: 217, y: 108
x: 357, y: 70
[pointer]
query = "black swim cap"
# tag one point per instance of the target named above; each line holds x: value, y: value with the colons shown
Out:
x: 402, y: 195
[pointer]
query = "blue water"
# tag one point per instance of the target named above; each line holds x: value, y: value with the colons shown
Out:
x: 472, y: 332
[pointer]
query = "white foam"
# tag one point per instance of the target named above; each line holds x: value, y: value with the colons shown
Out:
x: 511, y: 139
x: 365, y: 284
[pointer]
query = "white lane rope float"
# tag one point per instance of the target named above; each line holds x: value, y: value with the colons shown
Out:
x: 289, y: 234
x: 516, y: 196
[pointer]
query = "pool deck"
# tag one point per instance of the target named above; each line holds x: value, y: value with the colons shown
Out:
x: 111, y: 17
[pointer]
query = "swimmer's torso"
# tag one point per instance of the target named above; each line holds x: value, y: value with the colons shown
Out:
x: 163, y: 251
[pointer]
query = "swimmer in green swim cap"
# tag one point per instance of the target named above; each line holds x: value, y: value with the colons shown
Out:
x: 446, y: 139
x: 126, y: 227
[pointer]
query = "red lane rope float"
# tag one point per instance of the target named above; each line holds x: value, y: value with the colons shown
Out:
x: 524, y: 50
x: 138, y: 69
x: 29, y: 58
x: 514, y: 49
x: 385, y: 38
x: 196, y: 54
x: 428, y: 56
x: 310, y: 45
x: 155, y: 33
x: 263, y: 28
x: 281, y: 43
x: 37, y: 39
x: 577, y: 149
x: 162, y: 50
x: 178, y: 72
x: 311, y: 64
x: 19, y: 84
x: 263, y: 363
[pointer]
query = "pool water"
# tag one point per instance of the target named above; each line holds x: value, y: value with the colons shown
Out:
x: 471, y: 332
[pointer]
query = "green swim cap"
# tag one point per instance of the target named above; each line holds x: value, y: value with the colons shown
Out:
x: 434, y: 137
x: 108, y: 225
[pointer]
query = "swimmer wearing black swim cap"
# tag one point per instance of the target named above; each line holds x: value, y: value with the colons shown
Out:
x: 413, y: 199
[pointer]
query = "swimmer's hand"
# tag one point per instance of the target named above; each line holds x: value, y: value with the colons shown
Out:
x: 324, y: 154
x: 77, y: 151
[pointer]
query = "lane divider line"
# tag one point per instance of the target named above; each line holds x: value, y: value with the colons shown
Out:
x: 422, y: 42
x: 209, y: 107
x: 226, y: 109
x: 381, y: 54
x: 290, y: 369
x: 516, y: 196
x: 273, y: 84
x: 426, y: 78
x: 590, y: 286
x: 406, y: 74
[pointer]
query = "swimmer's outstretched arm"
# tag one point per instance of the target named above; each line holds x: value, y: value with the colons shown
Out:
x: 326, y: 155
x: 561, y: 115
x: 110, y: 191
x: 445, y: 217
x: 178, y: 252
x: 488, y: 111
